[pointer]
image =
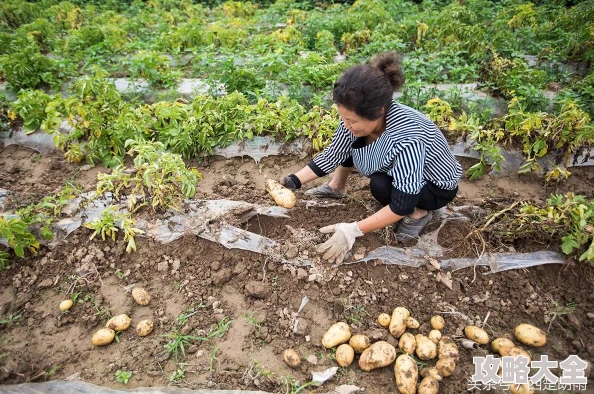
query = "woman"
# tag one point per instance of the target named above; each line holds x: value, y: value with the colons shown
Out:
x: 411, y: 169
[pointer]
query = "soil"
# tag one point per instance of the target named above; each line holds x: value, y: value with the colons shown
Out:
x: 196, y: 284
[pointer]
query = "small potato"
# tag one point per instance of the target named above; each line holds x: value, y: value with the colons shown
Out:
x: 406, y: 374
x: 431, y: 371
x: 383, y: 319
x: 282, y: 196
x: 65, y: 305
x: 516, y: 351
x: 119, y: 323
x: 411, y: 322
x: 291, y: 358
x: 345, y: 355
x: 379, y: 354
x: 447, y: 348
x: 407, y: 343
x: 336, y: 335
x: 530, y: 335
x: 499, y: 343
x: 398, y: 321
x: 446, y: 366
x: 520, y: 389
x: 104, y: 336
x: 428, y: 386
x: 144, y: 328
x: 476, y: 334
x: 435, y: 336
x: 437, y: 323
x: 141, y: 296
x: 426, y: 349
x: 359, y: 343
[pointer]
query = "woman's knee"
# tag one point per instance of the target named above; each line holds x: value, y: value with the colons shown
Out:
x: 380, y: 185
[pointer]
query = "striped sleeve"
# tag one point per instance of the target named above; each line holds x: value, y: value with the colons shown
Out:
x: 407, y: 174
x: 336, y: 153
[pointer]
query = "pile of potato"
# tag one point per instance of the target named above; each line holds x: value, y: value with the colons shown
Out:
x: 106, y: 335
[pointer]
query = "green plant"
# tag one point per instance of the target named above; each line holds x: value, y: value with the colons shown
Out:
x: 183, y: 317
x: 107, y: 225
x: 177, y: 375
x: 14, y: 230
x: 4, y: 261
x: 11, y: 319
x: 153, y: 67
x: 212, y: 357
x: 292, y: 386
x: 123, y: 376
x: 178, y: 343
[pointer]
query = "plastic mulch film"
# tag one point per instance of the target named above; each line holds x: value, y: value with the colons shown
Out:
x: 499, y: 262
x: 260, y: 147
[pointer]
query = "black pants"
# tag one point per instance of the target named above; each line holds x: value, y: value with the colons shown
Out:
x: 431, y: 197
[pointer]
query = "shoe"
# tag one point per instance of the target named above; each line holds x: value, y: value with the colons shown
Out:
x: 325, y: 191
x: 411, y: 228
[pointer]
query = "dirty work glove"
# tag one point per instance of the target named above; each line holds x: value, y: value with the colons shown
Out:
x: 340, y: 243
x: 291, y: 182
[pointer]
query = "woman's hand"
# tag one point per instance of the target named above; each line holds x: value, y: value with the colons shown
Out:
x: 340, y: 242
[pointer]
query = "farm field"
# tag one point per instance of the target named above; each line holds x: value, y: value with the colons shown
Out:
x: 122, y: 122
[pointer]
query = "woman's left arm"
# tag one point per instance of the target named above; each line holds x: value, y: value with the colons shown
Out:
x: 382, y: 218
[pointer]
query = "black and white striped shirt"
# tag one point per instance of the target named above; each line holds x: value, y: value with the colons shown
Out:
x: 412, y: 150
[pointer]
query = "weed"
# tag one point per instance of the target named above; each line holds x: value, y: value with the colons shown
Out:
x: 178, y: 375
x: 123, y: 376
x: 183, y: 317
x: 121, y: 275
x: 11, y: 319
x: 211, y: 358
x: 558, y: 310
x: 117, y: 336
x: 178, y: 343
x: 292, y: 385
x: 4, y: 261
x: 221, y: 328
x: 253, y: 321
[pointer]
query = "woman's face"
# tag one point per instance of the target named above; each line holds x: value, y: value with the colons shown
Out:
x: 360, y: 127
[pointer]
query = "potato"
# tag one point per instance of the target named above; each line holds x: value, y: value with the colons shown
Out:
x: 435, y: 336
x: 119, y: 323
x: 520, y: 389
x: 407, y: 343
x: 141, y: 296
x: 530, y: 335
x: 65, y: 305
x: 437, y: 323
x: 499, y: 343
x: 336, y: 335
x: 476, y: 334
x: 411, y: 322
x: 431, y: 371
x: 428, y: 386
x: 281, y: 195
x: 345, y: 355
x: 406, y: 374
x: 383, y: 319
x: 144, y: 328
x: 359, y: 342
x: 379, y: 354
x: 104, y: 336
x: 426, y: 349
x: 516, y: 351
x: 446, y: 366
x: 447, y: 348
x: 291, y: 358
x: 398, y: 321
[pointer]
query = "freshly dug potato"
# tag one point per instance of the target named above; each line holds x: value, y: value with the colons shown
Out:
x: 447, y: 348
x: 411, y: 322
x: 499, y: 343
x: 520, y: 389
x: 65, y: 305
x: 345, y: 355
x: 104, y: 336
x: 433, y: 372
x: 119, y: 323
x: 435, y: 336
x: 437, y: 323
x: 379, y: 354
x: 336, y: 335
x: 476, y: 334
x: 291, y: 358
x: 406, y: 374
x: 398, y: 321
x: 446, y: 366
x: 426, y: 349
x: 516, y: 351
x: 383, y: 319
x: 407, y: 343
x: 141, y: 296
x: 144, y: 328
x: 282, y: 196
x: 359, y: 342
x: 428, y: 386
x: 530, y: 335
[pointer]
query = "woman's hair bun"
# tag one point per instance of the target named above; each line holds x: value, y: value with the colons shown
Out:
x: 389, y: 64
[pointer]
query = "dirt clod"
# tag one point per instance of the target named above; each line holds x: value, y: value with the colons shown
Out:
x: 258, y: 290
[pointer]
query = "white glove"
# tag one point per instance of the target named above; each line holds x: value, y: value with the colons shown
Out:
x: 341, y: 242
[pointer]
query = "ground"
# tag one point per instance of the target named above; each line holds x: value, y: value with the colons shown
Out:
x: 197, y: 284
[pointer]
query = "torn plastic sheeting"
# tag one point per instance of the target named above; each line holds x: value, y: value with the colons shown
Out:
x: 499, y: 262
x: 319, y: 378
x: 235, y: 238
x: 409, y: 257
x: 77, y: 387
x: 3, y: 196
x: 260, y: 147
